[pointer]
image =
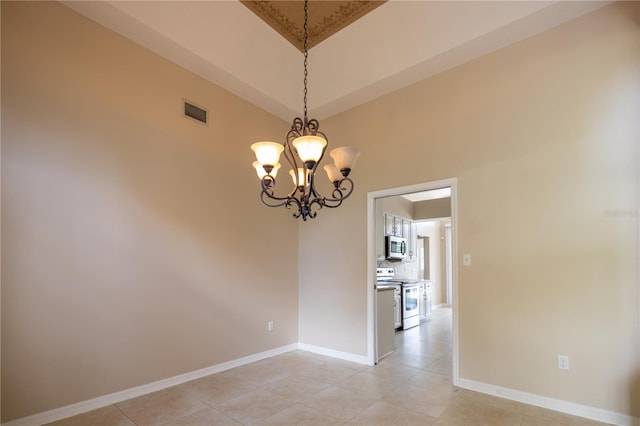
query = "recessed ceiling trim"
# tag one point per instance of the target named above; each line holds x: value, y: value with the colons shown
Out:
x: 325, y: 17
x: 394, y: 46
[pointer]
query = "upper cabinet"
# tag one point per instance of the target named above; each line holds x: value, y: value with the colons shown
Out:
x: 412, y: 242
x: 401, y: 227
x: 393, y: 225
x: 406, y: 228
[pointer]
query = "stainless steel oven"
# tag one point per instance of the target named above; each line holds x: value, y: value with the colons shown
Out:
x: 410, y: 308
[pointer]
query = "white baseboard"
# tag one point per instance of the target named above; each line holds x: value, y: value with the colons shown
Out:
x: 515, y: 395
x: 335, y: 354
x: 572, y: 408
x: 114, y: 398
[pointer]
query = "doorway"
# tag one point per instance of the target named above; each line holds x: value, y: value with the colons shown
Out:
x: 372, y: 262
x: 423, y: 255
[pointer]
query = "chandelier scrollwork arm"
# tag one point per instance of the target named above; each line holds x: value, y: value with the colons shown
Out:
x: 267, y: 194
x: 342, y: 190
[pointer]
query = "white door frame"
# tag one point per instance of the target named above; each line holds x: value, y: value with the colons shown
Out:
x: 448, y: 239
x: 371, y: 261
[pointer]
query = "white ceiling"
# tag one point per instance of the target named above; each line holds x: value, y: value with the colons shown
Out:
x: 433, y: 194
x: 397, y: 44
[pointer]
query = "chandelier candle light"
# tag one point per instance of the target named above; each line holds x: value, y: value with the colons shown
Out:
x: 304, y: 149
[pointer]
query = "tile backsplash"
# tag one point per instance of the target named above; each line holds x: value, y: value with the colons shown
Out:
x: 402, y: 269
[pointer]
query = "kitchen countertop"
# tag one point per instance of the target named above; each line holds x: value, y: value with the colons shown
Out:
x: 388, y: 284
x: 385, y: 287
x: 394, y: 282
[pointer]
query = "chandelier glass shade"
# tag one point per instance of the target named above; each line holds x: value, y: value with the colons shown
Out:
x: 304, y: 149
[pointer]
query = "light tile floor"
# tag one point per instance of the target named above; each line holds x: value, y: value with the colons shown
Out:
x: 412, y: 386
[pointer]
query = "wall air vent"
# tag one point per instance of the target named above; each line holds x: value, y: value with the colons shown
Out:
x: 195, y: 112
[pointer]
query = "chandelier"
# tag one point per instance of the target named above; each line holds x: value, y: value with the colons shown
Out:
x: 304, y: 148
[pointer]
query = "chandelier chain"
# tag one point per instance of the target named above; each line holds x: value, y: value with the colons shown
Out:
x: 306, y: 54
x: 304, y: 149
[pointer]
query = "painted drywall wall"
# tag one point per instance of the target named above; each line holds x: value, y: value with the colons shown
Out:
x: 543, y: 138
x: 134, y: 243
x: 552, y: 121
x: 398, y: 206
x: 432, y: 209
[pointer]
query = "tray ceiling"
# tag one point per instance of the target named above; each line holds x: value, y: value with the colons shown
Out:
x: 324, y: 17
x: 362, y: 50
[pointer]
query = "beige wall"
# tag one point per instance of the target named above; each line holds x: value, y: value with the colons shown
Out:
x: 432, y: 209
x: 398, y: 206
x: 134, y: 244
x: 543, y: 138
x: 125, y: 252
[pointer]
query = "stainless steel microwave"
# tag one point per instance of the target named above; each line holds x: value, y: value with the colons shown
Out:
x: 395, y: 247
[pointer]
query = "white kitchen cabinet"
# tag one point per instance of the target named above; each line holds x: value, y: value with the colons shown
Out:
x: 406, y: 228
x: 422, y: 308
x: 424, y: 305
x: 397, y: 226
x: 412, y: 242
x: 392, y: 225
x: 397, y: 308
x: 385, y: 322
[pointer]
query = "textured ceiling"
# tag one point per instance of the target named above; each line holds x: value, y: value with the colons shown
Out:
x: 324, y: 17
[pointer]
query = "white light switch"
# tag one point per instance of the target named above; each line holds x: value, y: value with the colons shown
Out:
x: 466, y: 260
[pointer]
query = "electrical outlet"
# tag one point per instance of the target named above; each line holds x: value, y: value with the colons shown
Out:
x: 563, y: 362
x: 270, y: 326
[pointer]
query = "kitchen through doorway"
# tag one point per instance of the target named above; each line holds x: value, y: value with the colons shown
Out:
x: 433, y: 259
